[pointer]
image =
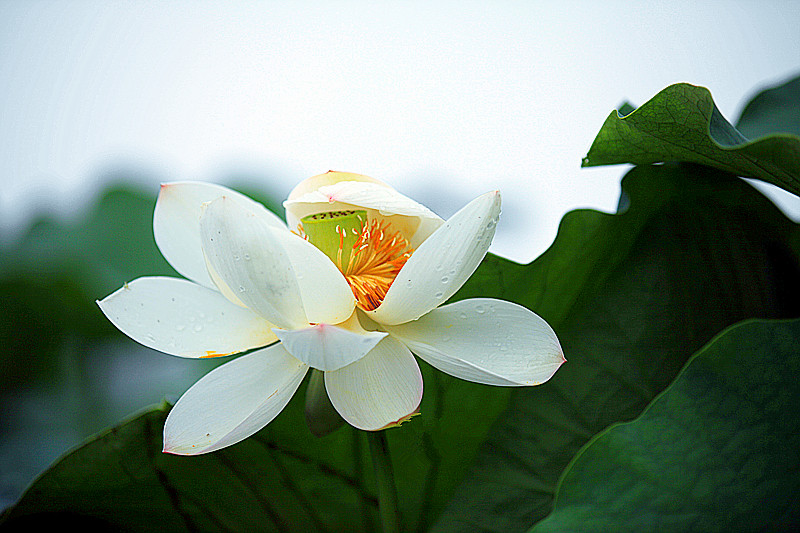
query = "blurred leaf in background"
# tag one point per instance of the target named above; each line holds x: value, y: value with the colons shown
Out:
x: 66, y: 372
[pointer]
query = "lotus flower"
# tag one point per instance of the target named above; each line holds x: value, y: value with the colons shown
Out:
x: 350, y: 285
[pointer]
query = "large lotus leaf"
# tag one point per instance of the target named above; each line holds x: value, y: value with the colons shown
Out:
x: 281, y: 479
x: 716, y: 451
x: 682, y: 123
x: 632, y: 296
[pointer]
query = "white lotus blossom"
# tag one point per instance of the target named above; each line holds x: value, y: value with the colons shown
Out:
x: 351, y: 285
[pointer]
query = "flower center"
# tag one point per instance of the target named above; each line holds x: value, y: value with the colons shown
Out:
x: 367, y: 252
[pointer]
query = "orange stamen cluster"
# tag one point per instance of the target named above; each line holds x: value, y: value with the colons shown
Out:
x: 375, y: 260
x: 375, y: 257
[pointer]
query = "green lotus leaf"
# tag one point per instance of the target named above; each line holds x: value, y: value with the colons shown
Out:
x: 716, y: 451
x: 682, y: 123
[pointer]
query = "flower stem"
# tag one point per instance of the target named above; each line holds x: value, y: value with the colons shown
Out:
x: 384, y: 478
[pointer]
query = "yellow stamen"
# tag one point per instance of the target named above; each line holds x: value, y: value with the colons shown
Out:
x: 367, y: 252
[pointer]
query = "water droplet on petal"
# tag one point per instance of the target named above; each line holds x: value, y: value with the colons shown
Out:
x: 462, y: 315
x: 480, y: 309
x: 198, y: 327
x: 438, y: 295
x: 241, y: 288
x: 445, y: 279
x: 247, y: 257
x: 409, y: 284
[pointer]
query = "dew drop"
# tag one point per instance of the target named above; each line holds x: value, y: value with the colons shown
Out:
x: 409, y: 284
x: 439, y: 267
x: 151, y: 338
x: 247, y: 257
x: 462, y: 315
x: 236, y: 257
x: 480, y: 310
x: 445, y: 279
x: 241, y: 288
x: 198, y: 327
x: 438, y: 295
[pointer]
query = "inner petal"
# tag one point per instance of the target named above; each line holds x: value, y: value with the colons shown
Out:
x: 329, y: 347
x: 369, y: 253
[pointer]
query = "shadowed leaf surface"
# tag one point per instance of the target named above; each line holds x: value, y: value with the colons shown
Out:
x: 773, y: 110
x: 716, y: 451
x: 631, y: 297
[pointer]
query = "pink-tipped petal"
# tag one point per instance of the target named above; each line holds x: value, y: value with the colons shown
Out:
x: 487, y: 341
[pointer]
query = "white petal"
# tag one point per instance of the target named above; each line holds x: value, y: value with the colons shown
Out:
x: 328, y: 178
x: 243, y: 249
x: 337, y: 191
x: 486, y: 341
x: 182, y: 318
x: 441, y: 265
x: 223, y: 287
x: 379, y: 390
x: 327, y: 347
x: 271, y: 270
x: 233, y: 401
x: 326, y: 295
x: 176, y: 224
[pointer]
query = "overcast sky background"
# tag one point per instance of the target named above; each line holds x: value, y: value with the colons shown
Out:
x: 443, y: 100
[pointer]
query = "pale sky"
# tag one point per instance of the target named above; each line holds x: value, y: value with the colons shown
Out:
x: 443, y: 100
